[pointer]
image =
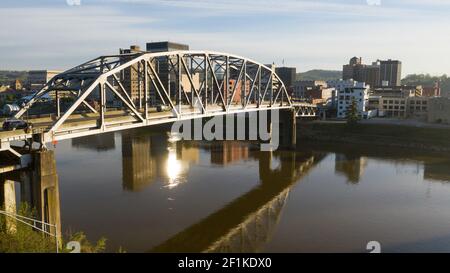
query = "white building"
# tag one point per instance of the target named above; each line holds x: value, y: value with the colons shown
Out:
x: 349, y: 91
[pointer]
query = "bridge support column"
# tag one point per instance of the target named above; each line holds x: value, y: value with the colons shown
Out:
x: 8, y: 202
x: 45, y: 189
x: 288, y: 129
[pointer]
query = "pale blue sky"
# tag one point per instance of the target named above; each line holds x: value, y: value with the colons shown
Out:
x: 308, y: 34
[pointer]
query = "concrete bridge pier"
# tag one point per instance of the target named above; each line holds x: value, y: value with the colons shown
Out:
x: 38, y: 187
x: 8, y: 201
x: 288, y: 129
x: 41, y: 184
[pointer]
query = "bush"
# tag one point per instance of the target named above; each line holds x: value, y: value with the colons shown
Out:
x: 25, y: 239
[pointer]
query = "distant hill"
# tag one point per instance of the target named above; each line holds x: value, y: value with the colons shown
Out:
x: 318, y: 74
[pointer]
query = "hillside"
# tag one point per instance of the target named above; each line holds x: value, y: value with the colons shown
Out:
x: 318, y: 74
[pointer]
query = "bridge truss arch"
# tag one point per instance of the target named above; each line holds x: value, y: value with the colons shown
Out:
x: 123, y: 91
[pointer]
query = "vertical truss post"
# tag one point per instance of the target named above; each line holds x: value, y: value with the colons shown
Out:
x: 210, y: 66
x: 205, y: 66
x: 139, y: 77
x: 271, y: 89
x: 102, y: 105
x: 179, y: 83
x: 190, y: 72
x: 244, y: 93
x: 145, y: 91
x: 58, y: 105
x: 227, y: 80
x: 168, y: 76
x: 259, y: 88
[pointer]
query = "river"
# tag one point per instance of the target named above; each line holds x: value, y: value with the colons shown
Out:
x: 146, y: 191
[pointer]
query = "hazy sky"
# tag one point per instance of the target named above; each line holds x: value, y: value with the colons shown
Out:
x: 323, y: 34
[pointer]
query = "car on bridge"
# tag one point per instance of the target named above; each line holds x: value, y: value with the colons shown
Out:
x: 161, y: 108
x: 13, y: 124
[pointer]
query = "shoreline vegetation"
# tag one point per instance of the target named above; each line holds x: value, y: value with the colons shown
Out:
x: 376, y: 135
x: 24, y: 239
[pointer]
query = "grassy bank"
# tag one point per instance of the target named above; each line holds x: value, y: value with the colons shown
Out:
x: 18, y: 237
x: 434, y: 139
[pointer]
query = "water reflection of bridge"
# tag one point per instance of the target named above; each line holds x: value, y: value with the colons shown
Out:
x: 245, y: 224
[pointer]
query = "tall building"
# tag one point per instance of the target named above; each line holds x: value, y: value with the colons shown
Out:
x: 372, y: 74
x: 356, y: 70
x: 165, y: 46
x: 130, y: 76
x: 380, y: 73
x: 287, y: 75
x: 162, y: 66
x: 353, y: 70
x: 38, y: 78
x: 390, y: 73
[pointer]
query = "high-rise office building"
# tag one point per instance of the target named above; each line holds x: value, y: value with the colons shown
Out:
x: 287, y: 75
x: 165, y: 46
x: 357, y: 71
x: 130, y: 76
x: 372, y: 74
x: 351, y: 71
x: 380, y: 73
x: 162, y: 66
x: 390, y: 73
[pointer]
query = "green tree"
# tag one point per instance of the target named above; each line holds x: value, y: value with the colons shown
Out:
x: 352, y: 113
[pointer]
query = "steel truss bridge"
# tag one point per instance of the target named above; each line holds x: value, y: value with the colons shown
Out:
x: 182, y: 84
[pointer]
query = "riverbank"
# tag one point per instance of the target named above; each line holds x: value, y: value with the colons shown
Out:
x: 383, y: 135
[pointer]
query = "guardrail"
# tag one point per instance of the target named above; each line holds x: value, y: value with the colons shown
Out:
x: 41, y: 226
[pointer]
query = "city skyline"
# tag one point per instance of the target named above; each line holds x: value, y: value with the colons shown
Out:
x: 309, y: 35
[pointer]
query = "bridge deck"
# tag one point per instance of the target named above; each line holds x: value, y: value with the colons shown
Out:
x: 78, y: 125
